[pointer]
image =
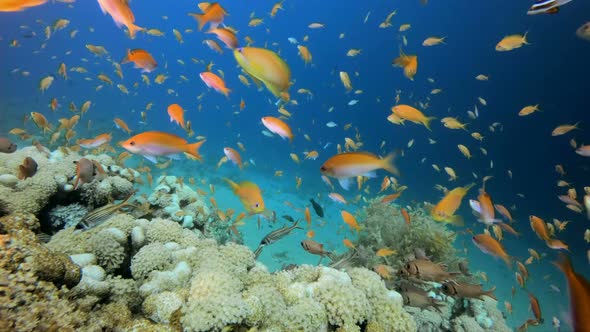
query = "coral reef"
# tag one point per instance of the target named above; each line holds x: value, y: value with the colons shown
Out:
x: 384, y: 226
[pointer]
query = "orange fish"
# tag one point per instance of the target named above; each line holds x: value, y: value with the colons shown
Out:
x: 141, y: 59
x: 278, y: 126
x: 409, y: 63
x: 226, y: 36
x: 234, y: 156
x: 406, y: 216
x: 176, y: 114
x: 407, y: 112
x: 347, y: 243
x: 41, y: 121
x: 444, y: 210
x: 122, y: 125
x: 336, y: 197
x: 347, y: 165
x: 307, y: 216
x: 121, y: 14
x: 250, y: 196
x: 152, y: 144
x: 214, y: 82
x: 310, y: 234
x: 350, y: 220
x: 539, y: 227
x: 19, y: 5
x: 491, y: 246
x: 213, y: 14
x: 391, y: 198
x: 95, y: 142
x: 384, y: 252
x: 579, y: 292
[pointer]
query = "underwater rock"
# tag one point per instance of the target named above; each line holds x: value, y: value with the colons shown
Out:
x: 8, y: 180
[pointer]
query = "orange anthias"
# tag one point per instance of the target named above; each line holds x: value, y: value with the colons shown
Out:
x: 250, y: 196
x: 121, y: 14
x: 215, y: 82
x: 234, y: 156
x: 445, y: 209
x: 176, y: 114
x: 579, y: 291
x: 345, y: 166
x: 141, y: 58
x: 213, y: 13
x: 152, y: 144
x: 278, y: 126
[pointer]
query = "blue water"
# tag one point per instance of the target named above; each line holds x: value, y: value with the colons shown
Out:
x: 552, y: 71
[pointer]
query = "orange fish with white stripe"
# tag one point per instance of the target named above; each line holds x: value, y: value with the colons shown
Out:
x: 152, y: 144
x: 278, y: 126
x: 92, y: 143
x: 348, y: 165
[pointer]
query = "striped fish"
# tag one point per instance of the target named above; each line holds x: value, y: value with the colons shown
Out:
x: 98, y: 216
x: 274, y: 236
x: 546, y: 6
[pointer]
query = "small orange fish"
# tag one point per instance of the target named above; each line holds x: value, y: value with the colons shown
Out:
x: 444, y: 210
x: 93, y: 143
x: 213, y: 14
x: 250, y: 196
x: 278, y: 126
x: 176, y: 114
x: 214, y: 82
x: 350, y: 220
x: 406, y: 216
x: 310, y: 234
x: 17, y: 6
x: 347, y: 165
x: 122, y: 125
x: 409, y: 63
x: 121, y: 14
x: 141, y: 59
x: 226, y: 36
x: 234, y: 156
x: 308, y: 216
x: 491, y: 246
x: 384, y: 252
x: 347, y: 243
x: 152, y: 144
x: 391, y: 198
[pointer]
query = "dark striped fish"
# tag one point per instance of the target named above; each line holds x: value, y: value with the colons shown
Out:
x: 98, y: 216
x: 546, y: 6
x: 274, y: 236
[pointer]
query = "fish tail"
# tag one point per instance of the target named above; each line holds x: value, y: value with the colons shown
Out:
x: 388, y: 164
x: 490, y: 293
x: 226, y: 92
x: 133, y: 29
x: 234, y: 186
x: 200, y: 20
x: 456, y: 220
x: 564, y: 264
x: 427, y: 122
x: 524, y: 41
x: 193, y: 149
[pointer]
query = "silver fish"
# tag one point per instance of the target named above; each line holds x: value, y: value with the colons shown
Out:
x: 274, y: 236
x: 546, y: 6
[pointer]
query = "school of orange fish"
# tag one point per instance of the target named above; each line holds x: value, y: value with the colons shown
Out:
x: 265, y: 68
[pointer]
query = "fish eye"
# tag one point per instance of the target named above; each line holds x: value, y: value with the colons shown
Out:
x: 132, y: 143
x: 257, y: 204
x: 322, y: 168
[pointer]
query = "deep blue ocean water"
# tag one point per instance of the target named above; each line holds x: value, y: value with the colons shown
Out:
x: 552, y: 71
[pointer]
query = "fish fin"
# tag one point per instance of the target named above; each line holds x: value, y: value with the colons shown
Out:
x: 388, y: 164
x: 344, y: 183
x: 456, y: 220
x: 200, y: 19
x: 234, y: 186
x: 174, y: 156
x: 133, y: 29
x: 564, y: 264
x: 76, y: 182
x: 427, y: 122
x: 151, y: 158
x: 490, y: 293
x: 193, y: 149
